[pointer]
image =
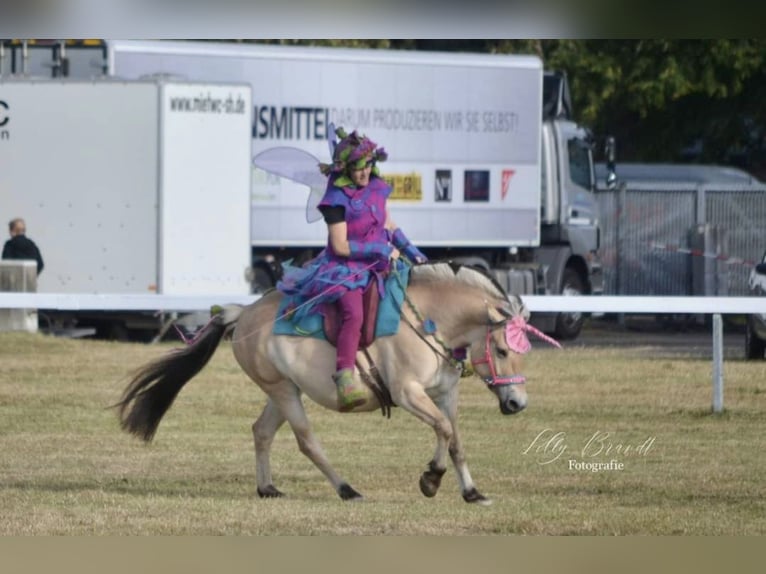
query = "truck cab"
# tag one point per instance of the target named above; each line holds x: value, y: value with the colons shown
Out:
x: 569, y: 209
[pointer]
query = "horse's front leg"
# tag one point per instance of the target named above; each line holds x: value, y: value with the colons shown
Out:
x: 413, y: 398
x: 448, y: 405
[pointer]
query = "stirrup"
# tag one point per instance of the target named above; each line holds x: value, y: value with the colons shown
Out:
x: 351, y: 394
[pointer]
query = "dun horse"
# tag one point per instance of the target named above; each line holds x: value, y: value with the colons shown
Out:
x: 449, y: 309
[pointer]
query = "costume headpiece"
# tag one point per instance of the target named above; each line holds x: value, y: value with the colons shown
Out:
x: 352, y: 152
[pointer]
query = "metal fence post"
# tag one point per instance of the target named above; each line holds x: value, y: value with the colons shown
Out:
x: 717, y: 363
x: 622, y: 201
x: 701, y: 207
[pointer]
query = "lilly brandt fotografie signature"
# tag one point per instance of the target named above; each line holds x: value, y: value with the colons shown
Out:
x: 601, y: 452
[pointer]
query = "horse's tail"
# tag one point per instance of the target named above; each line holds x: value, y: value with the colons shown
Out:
x: 155, y: 386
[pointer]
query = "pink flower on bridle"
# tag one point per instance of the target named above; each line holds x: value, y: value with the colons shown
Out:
x: 516, y: 330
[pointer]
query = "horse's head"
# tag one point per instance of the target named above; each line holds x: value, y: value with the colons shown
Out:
x: 498, y: 358
x: 497, y: 363
x: 487, y: 320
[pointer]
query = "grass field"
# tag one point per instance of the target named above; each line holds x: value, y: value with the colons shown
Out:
x: 66, y: 468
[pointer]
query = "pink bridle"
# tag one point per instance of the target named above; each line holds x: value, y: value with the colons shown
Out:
x: 516, y: 338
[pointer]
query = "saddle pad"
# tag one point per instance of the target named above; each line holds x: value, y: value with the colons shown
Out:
x: 386, y: 323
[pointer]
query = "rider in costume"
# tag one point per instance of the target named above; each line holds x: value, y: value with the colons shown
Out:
x: 362, y: 242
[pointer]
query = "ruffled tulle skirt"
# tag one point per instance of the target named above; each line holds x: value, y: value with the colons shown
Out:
x: 321, y: 280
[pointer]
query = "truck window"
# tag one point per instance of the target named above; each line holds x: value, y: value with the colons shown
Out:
x: 579, y: 163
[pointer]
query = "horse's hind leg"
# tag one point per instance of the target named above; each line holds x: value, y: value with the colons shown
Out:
x: 264, y: 430
x: 287, y: 398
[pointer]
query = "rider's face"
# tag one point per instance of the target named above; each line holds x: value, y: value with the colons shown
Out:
x: 361, y: 177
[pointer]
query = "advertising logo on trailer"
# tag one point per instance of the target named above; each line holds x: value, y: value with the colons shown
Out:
x: 506, y: 181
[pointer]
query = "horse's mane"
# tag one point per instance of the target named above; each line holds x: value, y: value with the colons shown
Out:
x: 459, y: 273
x: 468, y: 275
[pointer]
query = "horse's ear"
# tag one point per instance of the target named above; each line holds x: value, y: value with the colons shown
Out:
x: 504, y: 311
x: 503, y: 314
x: 514, y: 307
x: 518, y: 307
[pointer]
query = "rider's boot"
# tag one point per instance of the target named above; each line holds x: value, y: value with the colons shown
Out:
x: 351, y: 393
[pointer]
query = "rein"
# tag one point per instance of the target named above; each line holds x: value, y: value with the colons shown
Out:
x: 456, y: 357
x: 452, y: 356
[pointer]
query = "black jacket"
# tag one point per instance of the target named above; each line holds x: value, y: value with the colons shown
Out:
x: 21, y: 247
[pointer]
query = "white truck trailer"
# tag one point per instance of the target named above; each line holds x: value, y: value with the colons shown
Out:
x: 486, y: 165
x: 129, y: 187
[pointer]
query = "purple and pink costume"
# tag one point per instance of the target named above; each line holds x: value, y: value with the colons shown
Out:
x: 329, y: 277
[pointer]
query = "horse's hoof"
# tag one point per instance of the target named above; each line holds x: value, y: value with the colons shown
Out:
x: 269, y: 492
x: 473, y: 496
x: 347, y: 493
x: 428, y: 486
x: 431, y: 480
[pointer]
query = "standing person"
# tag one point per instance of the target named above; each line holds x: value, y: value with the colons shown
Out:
x: 362, y: 242
x: 19, y: 246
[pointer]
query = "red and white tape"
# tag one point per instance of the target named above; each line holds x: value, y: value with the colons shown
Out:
x: 699, y: 253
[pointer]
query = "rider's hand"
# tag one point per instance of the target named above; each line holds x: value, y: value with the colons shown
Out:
x: 394, y: 254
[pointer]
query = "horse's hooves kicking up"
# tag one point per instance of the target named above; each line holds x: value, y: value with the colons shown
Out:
x: 347, y: 493
x: 270, y: 492
x: 475, y: 497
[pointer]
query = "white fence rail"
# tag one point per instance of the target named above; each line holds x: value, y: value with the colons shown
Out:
x: 716, y: 306
x: 536, y: 303
x: 118, y: 302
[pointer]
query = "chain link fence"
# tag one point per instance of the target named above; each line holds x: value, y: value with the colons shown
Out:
x: 668, y: 238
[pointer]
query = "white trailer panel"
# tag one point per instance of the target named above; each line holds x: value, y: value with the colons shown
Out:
x: 130, y: 187
x: 81, y: 167
x: 205, y: 207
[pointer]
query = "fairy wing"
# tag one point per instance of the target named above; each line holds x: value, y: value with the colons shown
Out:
x: 299, y: 166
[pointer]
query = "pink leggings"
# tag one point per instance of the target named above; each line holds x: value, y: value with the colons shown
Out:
x: 352, y: 316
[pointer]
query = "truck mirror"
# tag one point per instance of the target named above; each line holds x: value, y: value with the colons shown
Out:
x: 761, y: 268
x: 610, y: 151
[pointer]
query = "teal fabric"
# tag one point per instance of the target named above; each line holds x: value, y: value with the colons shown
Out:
x: 387, y: 322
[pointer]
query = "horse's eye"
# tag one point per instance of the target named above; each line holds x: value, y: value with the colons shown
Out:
x: 502, y: 353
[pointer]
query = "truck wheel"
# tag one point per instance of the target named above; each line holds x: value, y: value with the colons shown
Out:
x: 569, y: 325
x: 754, y: 347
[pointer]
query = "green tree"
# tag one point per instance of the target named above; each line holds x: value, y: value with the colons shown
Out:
x: 656, y: 96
